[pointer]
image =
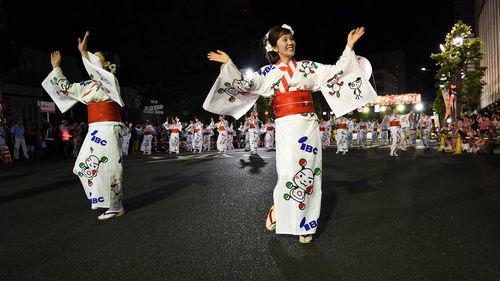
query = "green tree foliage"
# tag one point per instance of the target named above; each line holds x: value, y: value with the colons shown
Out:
x: 460, y: 63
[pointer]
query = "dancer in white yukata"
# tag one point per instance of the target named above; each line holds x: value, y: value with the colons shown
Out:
x: 126, y: 138
x: 230, y: 137
x: 297, y: 195
x: 425, y: 125
x: 384, y: 133
x: 99, y: 163
x: 175, y: 128
x: 222, y: 128
x: 375, y: 133
x: 324, y: 129
x: 350, y: 130
x: 395, y: 128
x: 207, y: 138
x: 268, y: 127
x: 253, y: 132
x: 207, y: 133
x: 188, y: 135
x: 362, y: 133
x: 197, y: 140
x: 404, y: 120
x: 413, y: 130
x: 147, y: 141
x: 341, y: 135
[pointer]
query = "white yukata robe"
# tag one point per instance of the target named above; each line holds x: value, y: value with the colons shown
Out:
x: 230, y: 138
x: 269, y: 137
x: 174, y: 140
x: 222, y: 129
x: 341, y: 136
x: 253, y: 134
x: 147, y: 141
x: 125, y: 140
x: 99, y: 162
x: 207, y: 138
x: 197, y: 141
x: 297, y: 195
x: 325, y: 133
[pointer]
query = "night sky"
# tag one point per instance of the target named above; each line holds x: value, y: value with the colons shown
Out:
x: 163, y: 49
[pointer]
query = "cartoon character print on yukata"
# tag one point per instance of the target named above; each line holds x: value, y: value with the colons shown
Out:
x: 91, y: 167
x: 302, y: 184
x: 99, y: 83
x: 238, y: 86
x: 116, y: 186
x: 61, y: 86
x: 335, y: 84
x: 355, y: 85
x: 307, y: 67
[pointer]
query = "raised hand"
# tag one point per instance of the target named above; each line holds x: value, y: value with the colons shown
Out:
x: 354, y: 35
x: 55, y: 59
x: 82, y: 45
x: 218, y: 56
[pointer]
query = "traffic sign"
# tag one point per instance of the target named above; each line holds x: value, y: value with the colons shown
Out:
x: 152, y: 111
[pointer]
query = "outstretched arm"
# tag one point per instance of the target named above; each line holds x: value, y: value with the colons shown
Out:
x: 354, y: 36
x: 218, y: 56
x: 82, y: 46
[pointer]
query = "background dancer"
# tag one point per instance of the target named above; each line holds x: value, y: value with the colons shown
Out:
x: 99, y: 163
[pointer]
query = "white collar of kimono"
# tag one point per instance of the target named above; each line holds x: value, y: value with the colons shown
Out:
x: 282, y: 65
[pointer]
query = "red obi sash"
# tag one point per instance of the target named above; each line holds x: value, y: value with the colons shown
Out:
x: 322, y: 129
x: 103, y: 111
x: 342, y: 126
x: 175, y: 131
x: 394, y: 123
x: 362, y: 127
x: 221, y: 128
x: 295, y: 102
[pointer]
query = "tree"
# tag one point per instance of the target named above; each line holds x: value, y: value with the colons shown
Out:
x: 438, y: 104
x: 460, y: 63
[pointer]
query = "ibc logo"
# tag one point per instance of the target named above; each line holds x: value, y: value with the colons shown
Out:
x: 307, y: 148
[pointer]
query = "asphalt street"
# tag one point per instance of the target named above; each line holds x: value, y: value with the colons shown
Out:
x: 419, y: 216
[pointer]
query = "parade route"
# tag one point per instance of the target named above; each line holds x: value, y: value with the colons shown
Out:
x: 420, y: 216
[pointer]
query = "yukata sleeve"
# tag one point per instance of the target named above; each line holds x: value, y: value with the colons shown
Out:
x: 233, y: 92
x: 63, y: 93
x: 343, y: 84
x: 212, y: 125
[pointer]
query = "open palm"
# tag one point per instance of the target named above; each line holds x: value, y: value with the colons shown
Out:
x: 354, y: 36
x: 218, y: 56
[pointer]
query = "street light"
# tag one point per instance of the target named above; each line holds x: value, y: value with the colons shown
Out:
x: 458, y: 41
x: 249, y: 72
x: 419, y: 106
x: 441, y: 46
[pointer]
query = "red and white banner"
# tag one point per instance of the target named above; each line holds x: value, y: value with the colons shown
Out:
x: 398, y: 99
